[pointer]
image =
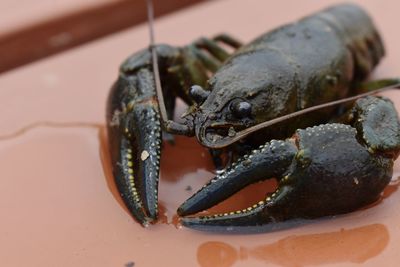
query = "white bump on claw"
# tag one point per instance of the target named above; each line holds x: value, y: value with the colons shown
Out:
x: 144, y: 155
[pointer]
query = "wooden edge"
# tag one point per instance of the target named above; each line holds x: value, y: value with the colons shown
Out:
x: 56, y: 35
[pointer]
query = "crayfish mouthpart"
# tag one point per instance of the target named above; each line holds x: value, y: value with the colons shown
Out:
x: 215, y: 135
x: 231, y: 132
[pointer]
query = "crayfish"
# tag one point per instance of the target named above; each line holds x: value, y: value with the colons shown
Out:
x: 331, y: 161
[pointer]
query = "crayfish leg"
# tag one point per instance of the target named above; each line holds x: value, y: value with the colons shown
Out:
x: 228, y: 40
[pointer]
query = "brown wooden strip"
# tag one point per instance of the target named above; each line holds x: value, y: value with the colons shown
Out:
x: 54, y: 35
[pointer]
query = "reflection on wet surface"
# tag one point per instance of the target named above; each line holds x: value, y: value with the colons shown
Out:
x: 216, y: 254
x: 391, y: 188
x: 345, y: 246
x: 73, y: 206
x: 356, y: 245
x: 106, y: 163
x: 353, y: 245
x: 71, y: 203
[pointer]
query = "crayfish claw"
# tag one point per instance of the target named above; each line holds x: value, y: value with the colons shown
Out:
x: 261, y: 217
x: 135, y: 144
x: 122, y: 154
x: 261, y: 164
x: 322, y: 171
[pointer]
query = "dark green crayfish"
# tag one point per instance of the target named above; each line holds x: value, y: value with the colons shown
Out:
x: 338, y: 158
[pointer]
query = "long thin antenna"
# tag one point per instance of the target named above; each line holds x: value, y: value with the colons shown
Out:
x: 160, y: 97
x: 240, y: 135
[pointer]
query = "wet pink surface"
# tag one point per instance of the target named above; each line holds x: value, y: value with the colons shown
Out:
x: 60, y: 207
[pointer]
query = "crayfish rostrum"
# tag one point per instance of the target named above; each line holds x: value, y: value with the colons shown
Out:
x: 331, y: 161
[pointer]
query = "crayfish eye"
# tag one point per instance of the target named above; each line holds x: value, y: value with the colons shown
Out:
x: 241, y: 109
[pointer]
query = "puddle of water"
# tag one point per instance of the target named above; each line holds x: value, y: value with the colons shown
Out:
x: 63, y: 198
x: 355, y: 245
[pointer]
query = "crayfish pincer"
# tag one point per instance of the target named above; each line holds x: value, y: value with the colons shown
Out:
x: 330, y: 161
